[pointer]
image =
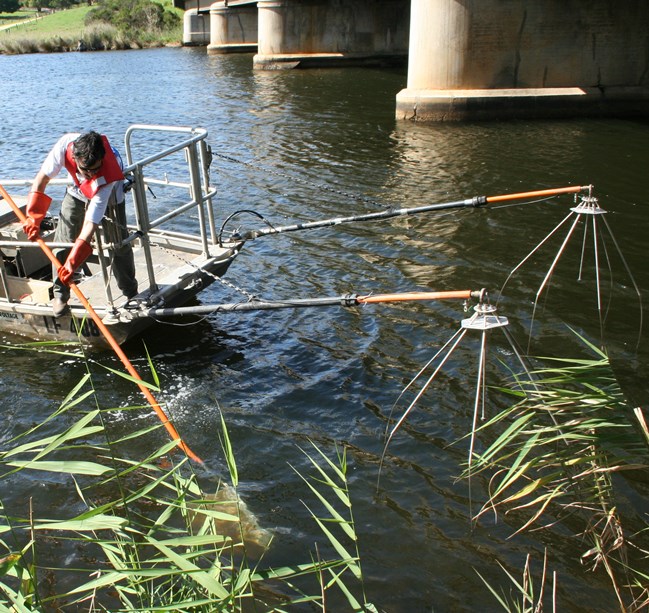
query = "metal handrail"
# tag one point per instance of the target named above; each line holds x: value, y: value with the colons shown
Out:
x: 178, y: 211
x: 198, y: 187
x: 200, y: 134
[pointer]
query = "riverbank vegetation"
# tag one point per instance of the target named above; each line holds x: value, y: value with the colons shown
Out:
x: 145, y: 534
x: 569, y: 454
x: 103, y: 25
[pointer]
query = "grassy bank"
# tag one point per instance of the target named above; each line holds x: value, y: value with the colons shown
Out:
x: 66, y: 23
x: 64, y: 30
x: 8, y: 20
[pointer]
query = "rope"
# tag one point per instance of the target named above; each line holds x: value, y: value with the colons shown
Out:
x: 320, y: 186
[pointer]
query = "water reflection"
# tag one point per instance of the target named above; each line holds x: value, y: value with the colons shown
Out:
x: 313, y: 144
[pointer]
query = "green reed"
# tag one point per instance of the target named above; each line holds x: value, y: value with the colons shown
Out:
x: 143, y: 533
x: 559, y: 455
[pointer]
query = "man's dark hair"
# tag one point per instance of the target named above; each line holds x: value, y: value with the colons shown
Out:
x: 89, y: 148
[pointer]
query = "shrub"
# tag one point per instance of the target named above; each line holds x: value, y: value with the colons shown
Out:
x: 9, y: 6
x: 133, y: 16
x: 13, y: 46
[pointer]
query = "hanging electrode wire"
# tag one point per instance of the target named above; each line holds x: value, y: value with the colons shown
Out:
x: 529, y: 255
x: 587, y: 211
x: 454, y: 340
x: 484, y: 320
x: 389, y: 434
x: 633, y: 282
x: 110, y: 338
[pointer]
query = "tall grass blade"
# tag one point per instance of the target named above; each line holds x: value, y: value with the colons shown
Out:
x: 554, y: 453
x: 76, y: 467
x: 97, y: 522
x: 229, y: 455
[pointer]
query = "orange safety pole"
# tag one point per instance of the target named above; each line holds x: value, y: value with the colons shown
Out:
x: 455, y: 294
x: 110, y: 338
x: 539, y: 193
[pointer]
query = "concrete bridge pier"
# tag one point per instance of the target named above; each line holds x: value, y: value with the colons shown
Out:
x: 272, y: 22
x: 233, y: 27
x: 196, y: 28
x: 479, y: 59
x: 299, y: 33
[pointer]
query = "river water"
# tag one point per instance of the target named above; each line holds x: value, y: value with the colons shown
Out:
x: 323, y: 143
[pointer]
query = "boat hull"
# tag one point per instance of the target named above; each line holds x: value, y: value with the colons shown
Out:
x: 35, y: 320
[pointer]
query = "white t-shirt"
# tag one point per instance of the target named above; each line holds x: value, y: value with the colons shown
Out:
x: 55, y: 161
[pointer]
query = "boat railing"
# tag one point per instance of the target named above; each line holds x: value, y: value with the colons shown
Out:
x: 197, y: 156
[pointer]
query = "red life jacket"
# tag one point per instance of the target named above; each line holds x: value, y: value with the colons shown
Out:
x: 108, y: 172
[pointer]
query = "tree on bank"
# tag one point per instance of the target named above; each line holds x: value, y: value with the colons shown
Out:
x: 39, y: 5
x: 133, y: 16
x: 9, y: 6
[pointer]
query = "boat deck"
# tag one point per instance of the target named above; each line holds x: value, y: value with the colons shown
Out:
x: 165, y: 267
x: 175, y: 261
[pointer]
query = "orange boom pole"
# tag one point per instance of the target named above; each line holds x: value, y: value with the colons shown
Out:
x: 539, y: 193
x: 110, y: 338
x: 407, y: 296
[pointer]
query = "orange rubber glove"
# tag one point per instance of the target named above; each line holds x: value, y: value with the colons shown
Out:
x: 37, y: 205
x: 78, y: 256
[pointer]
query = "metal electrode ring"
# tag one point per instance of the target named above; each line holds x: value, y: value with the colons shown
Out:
x: 485, y: 318
x: 589, y: 206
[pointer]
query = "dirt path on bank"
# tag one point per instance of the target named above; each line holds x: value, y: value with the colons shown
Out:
x: 19, y: 23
